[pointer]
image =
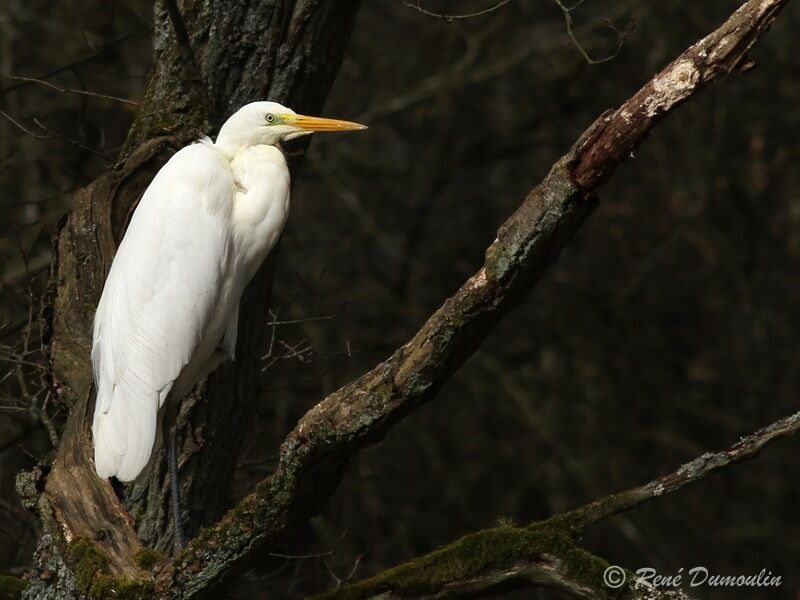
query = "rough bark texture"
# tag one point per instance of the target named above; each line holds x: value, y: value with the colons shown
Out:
x: 317, y: 450
x: 285, y: 50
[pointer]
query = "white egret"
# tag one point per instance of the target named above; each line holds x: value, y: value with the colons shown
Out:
x: 169, y: 311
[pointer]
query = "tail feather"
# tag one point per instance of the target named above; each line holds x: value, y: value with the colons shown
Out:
x: 124, y: 433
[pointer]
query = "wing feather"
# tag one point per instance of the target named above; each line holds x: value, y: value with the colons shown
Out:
x: 159, y: 298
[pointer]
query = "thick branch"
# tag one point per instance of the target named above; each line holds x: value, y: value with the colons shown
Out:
x: 546, y: 554
x: 316, y: 452
x: 499, y: 560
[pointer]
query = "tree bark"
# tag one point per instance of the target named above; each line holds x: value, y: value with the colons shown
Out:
x: 284, y: 50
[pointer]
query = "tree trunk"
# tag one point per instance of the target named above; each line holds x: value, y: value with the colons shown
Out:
x: 238, y: 51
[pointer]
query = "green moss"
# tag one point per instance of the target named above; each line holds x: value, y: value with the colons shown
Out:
x: 11, y: 587
x: 147, y: 558
x: 87, y: 562
x: 90, y: 567
x: 105, y: 587
x: 483, y: 552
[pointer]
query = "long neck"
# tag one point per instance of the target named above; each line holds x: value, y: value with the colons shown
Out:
x: 235, y: 138
x: 230, y: 142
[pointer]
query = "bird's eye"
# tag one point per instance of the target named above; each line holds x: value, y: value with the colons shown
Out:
x: 270, y: 118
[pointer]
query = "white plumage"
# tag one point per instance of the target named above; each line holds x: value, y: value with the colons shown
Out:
x: 169, y: 309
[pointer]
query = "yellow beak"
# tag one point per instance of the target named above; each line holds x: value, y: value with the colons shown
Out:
x: 320, y: 124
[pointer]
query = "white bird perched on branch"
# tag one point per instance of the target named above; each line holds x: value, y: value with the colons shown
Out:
x: 169, y: 310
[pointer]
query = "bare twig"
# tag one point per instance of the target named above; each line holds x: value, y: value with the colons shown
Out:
x: 24, y: 129
x: 464, y: 73
x: 342, y: 580
x: 302, y: 351
x: 18, y: 358
x: 306, y: 320
x: 448, y: 17
x: 76, y: 143
x: 622, y: 36
x: 50, y: 134
x: 44, y: 417
x: 81, y: 61
x: 21, y: 435
x: 64, y: 90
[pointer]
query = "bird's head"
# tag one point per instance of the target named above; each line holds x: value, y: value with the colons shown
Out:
x: 269, y: 123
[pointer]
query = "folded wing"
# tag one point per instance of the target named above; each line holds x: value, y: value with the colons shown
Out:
x: 158, y: 300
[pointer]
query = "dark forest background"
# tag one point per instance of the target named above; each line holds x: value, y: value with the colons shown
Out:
x: 666, y: 329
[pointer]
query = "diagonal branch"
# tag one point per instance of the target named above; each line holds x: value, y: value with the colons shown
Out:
x: 546, y: 554
x: 315, y: 454
x: 701, y: 467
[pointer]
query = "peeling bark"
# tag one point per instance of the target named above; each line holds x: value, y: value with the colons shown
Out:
x: 721, y: 52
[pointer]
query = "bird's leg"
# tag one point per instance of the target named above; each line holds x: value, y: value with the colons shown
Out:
x: 169, y: 435
x: 172, y: 464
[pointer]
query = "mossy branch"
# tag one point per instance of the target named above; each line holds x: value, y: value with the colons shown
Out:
x: 547, y: 554
x: 316, y: 452
x: 500, y: 560
x: 94, y: 580
x: 491, y: 561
